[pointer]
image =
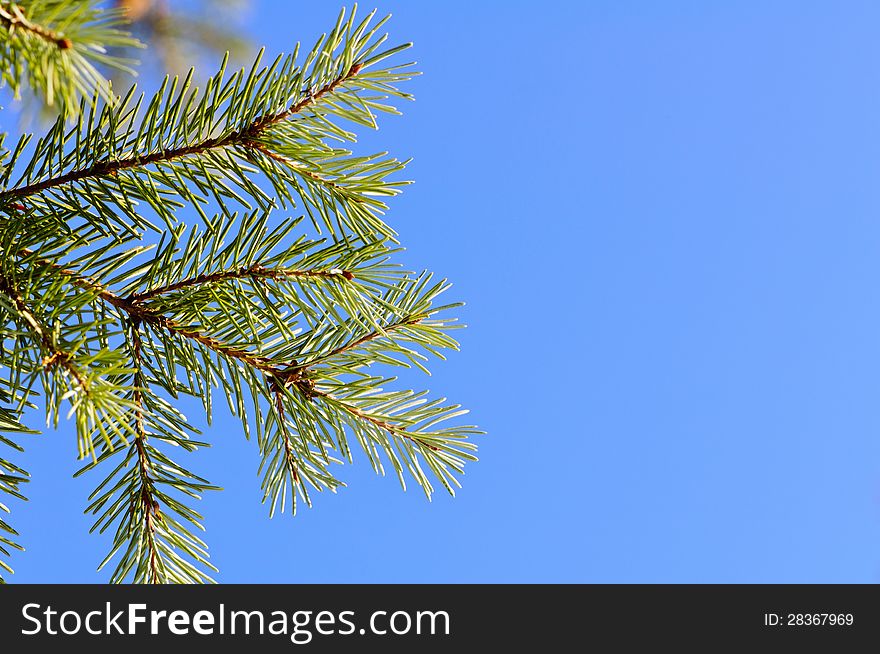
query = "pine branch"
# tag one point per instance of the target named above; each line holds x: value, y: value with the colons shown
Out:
x: 308, y: 276
x: 146, y: 315
x: 196, y: 148
x: 155, y: 543
x: 286, y: 371
x: 254, y: 271
x: 285, y: 326
x: 12, y: 18
x: 149, y: 507
x: 392, y: 428
x: 135, y: 307
x: 328, y: 396
x: 55, y: 48
x: 98, y: 403
x: 135, y: 312
x: 244, y: 138
x: 11, y: 479
x: 53, y: 354
x: 402, y: 425
x: 290, y: 459
x: 385, y: 332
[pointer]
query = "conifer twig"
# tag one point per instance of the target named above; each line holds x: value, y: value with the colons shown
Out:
x: 12, y: 18
x: 244, y: 138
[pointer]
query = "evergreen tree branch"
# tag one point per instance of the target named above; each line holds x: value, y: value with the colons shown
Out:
x: 289, y: 455
x: 12, y: 18
x: 385, y: 332
x: 11, y: 479
x: 57, y: 47
x: 254, y: 271
x: 88, y: 372
x: 401, y: 424
x: 290, y: 460
x: 53, y: 354
x: 134, y: 306
x: 137, y: 313
x: 155, y: 543
x: 192, y: 147
x: 383, y: 424
x: 149, y: 509
x: 241, y: 138
x: 286, y: 326
x: 320, y: 357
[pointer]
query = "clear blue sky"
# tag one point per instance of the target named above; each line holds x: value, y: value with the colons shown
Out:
x: 665, y: 221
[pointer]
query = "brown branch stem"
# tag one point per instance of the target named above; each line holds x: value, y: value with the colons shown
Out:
x: 289, y: 457
x: 287, y: 161
x: 145, y: 495
x: 141, y: 313
x: 390, y: 427
x: 351, y: 345
x: 12, y: 18
x: 288, y: 374
x: 256, y: 270
x: 242, y: 137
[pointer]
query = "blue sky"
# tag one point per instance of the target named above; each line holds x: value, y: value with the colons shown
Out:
x: 665, y: 221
